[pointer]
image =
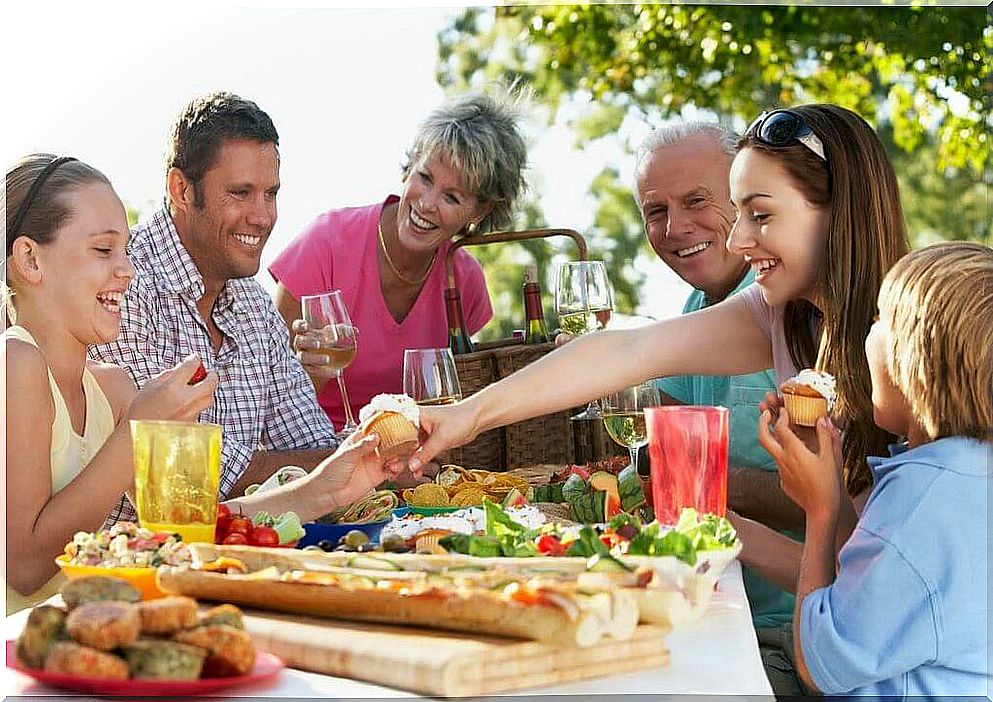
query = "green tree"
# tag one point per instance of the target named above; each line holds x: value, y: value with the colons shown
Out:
x: 921, y: 75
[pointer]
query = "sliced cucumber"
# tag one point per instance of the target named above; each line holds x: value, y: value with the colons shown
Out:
x: 605, y: 563
x: 465, y: 569
x: 372, y: 563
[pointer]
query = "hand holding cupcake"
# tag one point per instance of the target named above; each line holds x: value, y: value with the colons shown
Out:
x: 396, y: 418
x: 808, y: 396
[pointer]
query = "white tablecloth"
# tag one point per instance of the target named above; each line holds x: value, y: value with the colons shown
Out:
x: 717, y: 655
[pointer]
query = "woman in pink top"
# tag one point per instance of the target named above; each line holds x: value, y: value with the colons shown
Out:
x: 462, y: 175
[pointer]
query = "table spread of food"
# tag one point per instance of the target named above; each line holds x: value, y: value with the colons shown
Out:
x: 531, y: 564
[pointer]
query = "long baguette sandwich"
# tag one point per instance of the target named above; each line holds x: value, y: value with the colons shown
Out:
x: 490, y: 602
x: 657, y: 603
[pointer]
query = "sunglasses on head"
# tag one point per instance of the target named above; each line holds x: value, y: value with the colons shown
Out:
x: 784, y: 127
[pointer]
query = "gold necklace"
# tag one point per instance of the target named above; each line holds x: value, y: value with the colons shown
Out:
x: 396, y: 271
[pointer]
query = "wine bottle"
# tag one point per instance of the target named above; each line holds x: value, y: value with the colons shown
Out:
x: 534, y: 318
x: 458, y: 335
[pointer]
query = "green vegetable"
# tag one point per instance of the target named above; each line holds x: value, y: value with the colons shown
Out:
x: 252, y: 488
x: 588, y: 544
x: 289, y: 528
x: 263, y: 518
x: 481, y: 546
x: 605, y: 563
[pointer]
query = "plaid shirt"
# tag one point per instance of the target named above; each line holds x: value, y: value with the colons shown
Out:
x: 264, y: 398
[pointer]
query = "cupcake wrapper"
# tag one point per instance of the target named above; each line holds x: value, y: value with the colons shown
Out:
x: 805, y: 411
x: 394, y: 431
x: 429, y: 544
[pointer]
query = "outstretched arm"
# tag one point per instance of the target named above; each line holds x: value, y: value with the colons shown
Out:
x: 724, y: 339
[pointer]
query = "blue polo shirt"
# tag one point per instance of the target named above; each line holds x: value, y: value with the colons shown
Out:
x: 741, y: 394
x: 908, y: 612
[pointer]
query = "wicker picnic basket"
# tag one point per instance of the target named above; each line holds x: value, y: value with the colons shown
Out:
x: 551, y: 438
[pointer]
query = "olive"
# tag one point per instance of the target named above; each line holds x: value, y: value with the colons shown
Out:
x: 354, y: 538
x: 325, y: 545
x: 394, y: 542
x: 343, y: 547
x: 313, y: 547
x: 365, y: 548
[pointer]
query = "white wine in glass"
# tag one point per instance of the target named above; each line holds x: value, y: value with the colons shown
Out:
x: 624, y: 417
x: 328, y: 318
x: 584, y: 300
x: 430, y: 378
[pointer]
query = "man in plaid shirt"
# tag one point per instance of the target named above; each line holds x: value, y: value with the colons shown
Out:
x: 194, y: 293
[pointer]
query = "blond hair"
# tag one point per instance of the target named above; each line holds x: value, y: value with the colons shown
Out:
x: 938, y: 304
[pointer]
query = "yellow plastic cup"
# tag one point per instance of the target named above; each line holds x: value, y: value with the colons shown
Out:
x: 177, y: 469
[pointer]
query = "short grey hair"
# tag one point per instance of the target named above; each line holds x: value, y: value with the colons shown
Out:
x: 677, y: 132
x: 479, y: 135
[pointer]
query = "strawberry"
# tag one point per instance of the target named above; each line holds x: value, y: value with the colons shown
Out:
x: 199, y: 374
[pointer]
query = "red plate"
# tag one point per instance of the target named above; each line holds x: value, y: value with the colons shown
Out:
x: 266, y: 666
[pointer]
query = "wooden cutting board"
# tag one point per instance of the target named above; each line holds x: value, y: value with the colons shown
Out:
x: 441, y: 663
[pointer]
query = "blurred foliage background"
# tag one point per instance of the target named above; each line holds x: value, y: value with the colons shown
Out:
x: 920, y: 75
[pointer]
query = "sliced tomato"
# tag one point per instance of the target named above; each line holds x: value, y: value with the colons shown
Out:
x: 223, y: 512
x: 550, y: 545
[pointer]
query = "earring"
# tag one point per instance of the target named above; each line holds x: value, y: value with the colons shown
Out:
x: 471, y: 229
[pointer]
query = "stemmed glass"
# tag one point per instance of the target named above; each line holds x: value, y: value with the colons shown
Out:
x: 429, y: 376
x: 328, y: 318
x: 584, y: 300
x: 624, y: 417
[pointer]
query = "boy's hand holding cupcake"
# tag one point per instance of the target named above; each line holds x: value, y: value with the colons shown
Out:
x: 809, y: 470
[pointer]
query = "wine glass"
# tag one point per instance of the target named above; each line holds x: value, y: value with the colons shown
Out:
x: 429, y: 376
x: 328, y: 318
x: 624, y: 417
x: 584, y: 301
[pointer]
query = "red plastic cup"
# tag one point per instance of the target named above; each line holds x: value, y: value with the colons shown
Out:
x: 688, y: 448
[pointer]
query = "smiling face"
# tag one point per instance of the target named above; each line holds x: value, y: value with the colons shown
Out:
x: 225, y: 229
x: 683, y: 191
x: 780, y: 234
x: 84, y: 271
x: 434, y: 206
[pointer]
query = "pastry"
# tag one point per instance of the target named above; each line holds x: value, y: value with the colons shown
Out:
x: 808, y: 396
x: 396, y: 419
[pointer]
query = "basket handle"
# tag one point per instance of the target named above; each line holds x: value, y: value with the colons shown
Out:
x: 498, y: 237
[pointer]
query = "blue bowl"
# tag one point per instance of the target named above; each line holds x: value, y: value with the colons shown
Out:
x: 401, y: 511
x: 332, y: 532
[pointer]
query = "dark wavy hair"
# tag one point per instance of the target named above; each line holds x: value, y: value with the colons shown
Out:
x: 203, y: 126
x: 866, y: 236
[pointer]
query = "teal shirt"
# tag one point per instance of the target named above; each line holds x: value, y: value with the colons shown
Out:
x: 741, y: 394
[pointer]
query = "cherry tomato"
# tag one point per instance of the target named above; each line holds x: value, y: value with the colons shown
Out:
x: 235, y: 538
x: 264, y: 536
x: 551, y: 545
x: 223, y: 511
x: 240, y: 525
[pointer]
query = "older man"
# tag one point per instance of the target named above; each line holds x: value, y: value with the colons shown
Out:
x: 194, y: 292
x: 681, y: 185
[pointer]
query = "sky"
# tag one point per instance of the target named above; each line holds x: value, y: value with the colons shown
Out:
x: 345, y: 88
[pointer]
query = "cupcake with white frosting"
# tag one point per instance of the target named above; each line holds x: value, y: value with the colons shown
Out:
x: 396, y: 419
x: 808, y: 396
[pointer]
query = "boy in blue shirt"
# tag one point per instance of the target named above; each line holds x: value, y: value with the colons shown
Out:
x: 905, y: 611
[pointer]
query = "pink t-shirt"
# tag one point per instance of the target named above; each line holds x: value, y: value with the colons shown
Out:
x: 771, y: 321
x: 338, y: 251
